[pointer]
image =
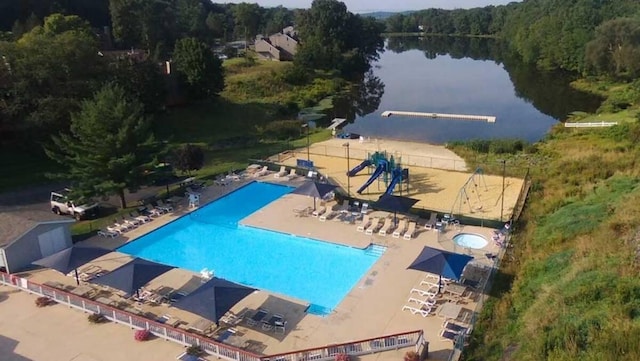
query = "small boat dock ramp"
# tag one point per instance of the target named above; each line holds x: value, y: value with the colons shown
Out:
x: 488, y: 119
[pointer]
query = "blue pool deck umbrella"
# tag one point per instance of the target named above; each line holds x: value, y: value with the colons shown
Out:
x: 133, y: 275
x: 214, y: 298
x: 443, y: 263
x: 70, y: 259
x: 315, y: 190
x: 395, y: 204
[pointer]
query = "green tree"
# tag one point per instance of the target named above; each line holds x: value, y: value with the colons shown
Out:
x: 51, y: 68
x: 142, y: 80
x: 199, y: 67
x: 615, y: 51
x: 247, y: 17
x: 190, y: 18
x: 109, y: 147
x: 125, y: 20
x: 217, y: 25
x: 334, y: 38
x: 188, y: 157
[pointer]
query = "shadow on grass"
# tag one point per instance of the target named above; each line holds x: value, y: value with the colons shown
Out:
x: 501, y: 284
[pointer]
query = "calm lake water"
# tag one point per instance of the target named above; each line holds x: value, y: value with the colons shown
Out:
x: 435, y: 82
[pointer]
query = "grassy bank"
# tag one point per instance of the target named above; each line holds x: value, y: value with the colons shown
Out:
x: 568, y: 289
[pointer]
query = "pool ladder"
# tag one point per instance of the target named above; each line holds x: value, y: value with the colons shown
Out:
x: 375, y: 250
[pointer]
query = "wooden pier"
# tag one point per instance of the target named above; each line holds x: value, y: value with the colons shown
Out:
x: 486, y: 118
x: 590, y: 125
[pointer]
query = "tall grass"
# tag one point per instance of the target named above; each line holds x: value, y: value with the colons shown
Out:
x: 570, y: 290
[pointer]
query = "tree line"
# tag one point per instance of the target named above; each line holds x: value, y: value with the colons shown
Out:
x: 93, y: 109
x: 591, y: 37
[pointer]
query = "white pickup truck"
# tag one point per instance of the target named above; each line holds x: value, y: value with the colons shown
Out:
x: 61, y: 204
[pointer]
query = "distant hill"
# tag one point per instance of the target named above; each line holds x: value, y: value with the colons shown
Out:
x: 384, y: 14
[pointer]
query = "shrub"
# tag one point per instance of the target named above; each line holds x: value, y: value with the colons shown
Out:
x: 195, y: 350
x: 142, y: 335
x: 96, y: 318
x: 411, y: 356
x: 342, y: 357
x: 44, y: 301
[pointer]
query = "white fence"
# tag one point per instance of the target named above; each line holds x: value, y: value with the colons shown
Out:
x: 218, y: 349
x: 590, y: 125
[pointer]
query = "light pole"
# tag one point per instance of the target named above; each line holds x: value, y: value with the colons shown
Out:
x: 306, y: 125
x: 348, y: 178
x: 504, y: 166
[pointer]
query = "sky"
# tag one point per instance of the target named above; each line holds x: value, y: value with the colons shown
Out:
x: 360, y: 6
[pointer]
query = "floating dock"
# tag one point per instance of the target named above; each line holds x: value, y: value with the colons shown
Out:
x: 486, y: 118
x: 590, y: 125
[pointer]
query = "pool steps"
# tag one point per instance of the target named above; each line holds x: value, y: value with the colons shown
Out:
x: 375, y: 250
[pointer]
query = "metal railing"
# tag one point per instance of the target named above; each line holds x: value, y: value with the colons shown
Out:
x: 362, y: 347
x: 220, y: 350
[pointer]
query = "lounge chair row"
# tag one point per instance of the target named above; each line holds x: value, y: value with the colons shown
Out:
x: 384, y: 225
x: 291, y: 174
x: 275, y: 322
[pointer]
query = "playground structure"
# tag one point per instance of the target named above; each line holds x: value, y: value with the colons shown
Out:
x: 386, y: 169
x: 469, y: 194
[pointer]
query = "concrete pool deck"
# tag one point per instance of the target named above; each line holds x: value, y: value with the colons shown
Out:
x: 372, y: 308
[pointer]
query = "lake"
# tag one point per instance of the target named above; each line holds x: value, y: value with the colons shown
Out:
x: 422, y: 75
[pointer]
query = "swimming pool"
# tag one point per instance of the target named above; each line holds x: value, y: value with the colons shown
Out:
x: 320, y: 273
x: 470, y: 240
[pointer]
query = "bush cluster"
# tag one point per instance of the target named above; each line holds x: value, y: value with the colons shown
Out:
x: 142, y: 335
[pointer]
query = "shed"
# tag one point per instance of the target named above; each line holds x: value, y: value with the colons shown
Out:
x: 26, y: 236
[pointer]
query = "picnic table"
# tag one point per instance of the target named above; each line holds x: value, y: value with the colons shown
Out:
x: 201, y: 325
x: 82, y: 290
x: 449, y: 310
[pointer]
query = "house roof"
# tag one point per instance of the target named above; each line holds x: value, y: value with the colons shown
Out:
x: 14, y: 224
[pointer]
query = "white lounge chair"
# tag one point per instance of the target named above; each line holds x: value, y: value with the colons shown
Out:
x: 400, y: 229
x: 281, y: 173
x: 262, y: 172
x: 108, y: 234
x: 364, y: 224
x: 431, y: 223
x: 153, y: 211
x: 292, y: 174
x: 429, y: 303
x: 140, y: 217
x: 385, y: 227
x: 365, y: 208
x: 164, y: 206
x: 373, y: 226
x: 123, y: 225
x: 430, y: 293
x: 423, y: 311
x: 411, y: 229
x: 115, y: 229
x: 318, y: 212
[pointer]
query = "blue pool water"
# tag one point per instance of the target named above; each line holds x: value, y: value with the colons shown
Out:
x: 470, y: 240
x: 318, y: 272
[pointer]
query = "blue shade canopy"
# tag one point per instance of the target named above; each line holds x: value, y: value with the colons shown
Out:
x: 393, y: 203
x: 441, y: 262
x: 315, y: 190
x: 71, y: 258
x: 132, y: 276
x: 214, y: 298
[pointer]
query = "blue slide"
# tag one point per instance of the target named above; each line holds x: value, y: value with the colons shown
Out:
x: 382, y: 165
x: 397, y: 177
x: 358, y: 168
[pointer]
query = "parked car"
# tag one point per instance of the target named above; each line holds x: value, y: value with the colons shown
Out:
x: 62, y: 204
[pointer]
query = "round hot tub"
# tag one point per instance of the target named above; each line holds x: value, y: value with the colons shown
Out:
x: 469, y: 240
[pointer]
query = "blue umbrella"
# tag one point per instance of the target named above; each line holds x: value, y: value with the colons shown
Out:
x: 214, y: 298
x: 69, y: 259
x: 315, y: 190
x: 132, y: 276
x: 391, y: 203
x: 443, y: 263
